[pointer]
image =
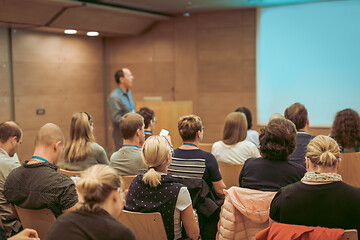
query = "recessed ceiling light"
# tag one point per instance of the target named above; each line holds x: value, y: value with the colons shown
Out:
x: 92, y: 34
x: 70, y: 31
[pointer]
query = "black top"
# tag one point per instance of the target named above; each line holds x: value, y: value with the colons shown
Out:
x: 143, y: 198
x: 333, y: 205
x: 40, y: 185
x: 302, y: 140
x: 83, y: 224
x: 266, y: 175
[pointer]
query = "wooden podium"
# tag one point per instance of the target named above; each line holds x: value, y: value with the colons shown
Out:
x: 167, y: 116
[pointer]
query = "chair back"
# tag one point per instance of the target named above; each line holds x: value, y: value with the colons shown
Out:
x: 39, y: 220
x: 146, y: 226
x: 127, y: 180
x: 206, y: 146
x: 70, y: 173
x: 350, y: 234
x: 350, y: 168
x: 230, y: 173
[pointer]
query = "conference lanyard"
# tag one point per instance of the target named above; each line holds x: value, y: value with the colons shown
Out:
x: 128, y: 101
x: 147, y: 132
x: 130, y: 145
x: 40, y: 158
x: 190, y: 144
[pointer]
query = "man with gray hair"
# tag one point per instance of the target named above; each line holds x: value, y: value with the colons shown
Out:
x: 10, y: 139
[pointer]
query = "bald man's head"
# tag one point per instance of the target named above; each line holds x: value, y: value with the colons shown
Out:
x: 49, y: 134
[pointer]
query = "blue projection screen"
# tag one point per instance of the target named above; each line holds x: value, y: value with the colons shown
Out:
x: 309, y: 53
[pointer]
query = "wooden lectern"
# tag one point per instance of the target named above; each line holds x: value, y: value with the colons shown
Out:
x: 167, y: 116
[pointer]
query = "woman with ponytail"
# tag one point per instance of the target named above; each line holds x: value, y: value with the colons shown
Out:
x: 320, y: 198
x: 155, y: 191
x: 101, y: 203
x: 81, y: 150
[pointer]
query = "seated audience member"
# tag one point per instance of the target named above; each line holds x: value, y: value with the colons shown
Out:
x: 127, y: 160
x: 191, y: 162
x: 37, y: 184
x: 234, y: 148
x: 155, y: 191
x: 320, y: 198
x: 252, y: 135
x: 346, y: 130
x: 10, y: 139
x: 81, y: 150
x: 273, y: 170
x: 298, y: 114
x: 100, y: 189
x: 26, y: 234
x: 276, y: 115
x: 149, y: 120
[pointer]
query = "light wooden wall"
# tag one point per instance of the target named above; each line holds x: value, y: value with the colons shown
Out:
x: 63, y: 75
x: 206, y: 58
x: 4, y: 77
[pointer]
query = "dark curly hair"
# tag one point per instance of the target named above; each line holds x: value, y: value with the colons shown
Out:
x: 277, y: 139
x: 346, y: 128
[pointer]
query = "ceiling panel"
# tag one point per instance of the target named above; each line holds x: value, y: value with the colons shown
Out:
x: 106, y: 19
x: 31, y: 12
x: 182, y: 6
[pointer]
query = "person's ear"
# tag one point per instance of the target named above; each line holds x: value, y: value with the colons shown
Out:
x: 307, y: 161
x: 338, y: 165
x: 57, y: 145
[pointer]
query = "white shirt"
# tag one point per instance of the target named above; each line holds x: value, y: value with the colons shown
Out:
x: 237, y: 153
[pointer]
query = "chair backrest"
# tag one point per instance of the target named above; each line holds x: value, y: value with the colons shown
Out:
x: 146, y: 226
x: 230, y: 173
x: 127, y: 180
x: 70, y: 173
x: 40, y: 220
x: 350, y: 168
x: 350, y: 234
x: 206, y: 146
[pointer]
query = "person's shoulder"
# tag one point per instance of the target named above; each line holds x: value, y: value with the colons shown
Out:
x: 123, y: 232
x: 296, y: 166
x: 96, y: 147
x: 114, y: 94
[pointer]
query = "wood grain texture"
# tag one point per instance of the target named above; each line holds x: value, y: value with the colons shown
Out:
x: 4, y: 77
x: 62, y: 75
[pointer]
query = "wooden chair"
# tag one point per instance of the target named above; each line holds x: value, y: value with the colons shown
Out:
x: 350, y: 168
x: 206, y: 146
x: 350, y: 234
x: 146, y: 226
x: 230, y: 173
x: 39, y: 220
x: 70, y: 173
x: 127, y: 180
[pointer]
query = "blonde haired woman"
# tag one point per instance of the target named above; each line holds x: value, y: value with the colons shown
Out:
x: 155, y: 191
x: 100, y: 189
x: 321, y: 198
x: 233, y: 148
x: 81, y: 150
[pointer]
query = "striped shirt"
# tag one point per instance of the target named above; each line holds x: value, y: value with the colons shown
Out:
x: 195, y: 164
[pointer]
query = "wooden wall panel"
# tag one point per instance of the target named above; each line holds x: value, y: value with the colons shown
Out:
x: 60, y: 74
x: 4, y: 77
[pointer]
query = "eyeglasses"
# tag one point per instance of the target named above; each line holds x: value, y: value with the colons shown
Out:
x: 88, y: 115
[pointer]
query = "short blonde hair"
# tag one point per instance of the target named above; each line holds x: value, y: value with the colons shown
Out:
x: 188, y: 127
x: 96, y: 184
x: 323, y: 151
x: 154, y: 153
x: 235, y: 129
